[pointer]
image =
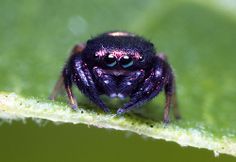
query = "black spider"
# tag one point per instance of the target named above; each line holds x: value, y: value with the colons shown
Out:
x: 118, y: 64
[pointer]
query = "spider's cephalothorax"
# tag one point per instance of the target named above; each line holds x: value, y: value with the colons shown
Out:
x: 118, y: 64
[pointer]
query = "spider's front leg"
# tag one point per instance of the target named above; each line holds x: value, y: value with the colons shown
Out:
x: 106, y: 81
x: 113, y: 89
x: 82, y: 77
x: 130, y: 82
x: 160, y: 77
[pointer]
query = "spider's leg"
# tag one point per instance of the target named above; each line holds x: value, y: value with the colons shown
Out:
x: 59, y: 84
x: 170, y: 90
x: 109, y: 82
x: 176, y: 107
x: 68, y: 87
x: 82, y: 76
x: 151, y: 87
x: 106, y: 81
x: 159, y: 78
x: 130, y: 83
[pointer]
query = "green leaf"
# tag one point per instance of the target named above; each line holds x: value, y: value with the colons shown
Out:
x: 198, y: 37
x: 16, y: 107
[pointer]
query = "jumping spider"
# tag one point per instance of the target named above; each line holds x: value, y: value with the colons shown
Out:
x: 118, y: 64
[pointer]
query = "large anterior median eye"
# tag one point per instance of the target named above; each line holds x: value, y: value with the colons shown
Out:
x: 126, y: 61
x: 110, y: 60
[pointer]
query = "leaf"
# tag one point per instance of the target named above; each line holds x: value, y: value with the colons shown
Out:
x: 197, y: 36
x: 15, y: 107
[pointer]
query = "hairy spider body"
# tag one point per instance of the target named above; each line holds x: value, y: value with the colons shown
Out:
x: 118, y: 64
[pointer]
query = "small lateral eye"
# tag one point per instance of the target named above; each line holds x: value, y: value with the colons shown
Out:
x: 110, y: 60
x: 126, y: 61
x: 96, y: 56
x: 141, y: 59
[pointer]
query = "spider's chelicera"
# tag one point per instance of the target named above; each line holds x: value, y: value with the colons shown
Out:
x: 118, y: 64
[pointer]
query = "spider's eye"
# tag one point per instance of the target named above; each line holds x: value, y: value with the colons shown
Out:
x: 141, y: 59
x: 110, y: 60
x: 126, y: 62
x: 96, y: 57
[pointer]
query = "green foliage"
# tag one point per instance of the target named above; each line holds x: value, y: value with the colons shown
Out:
x: 15, y: 107
x: 198, y: 37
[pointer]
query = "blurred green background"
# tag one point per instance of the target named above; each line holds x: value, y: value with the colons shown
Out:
x: 198, y: 37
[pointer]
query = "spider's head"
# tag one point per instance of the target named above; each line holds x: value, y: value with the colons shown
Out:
x: 119, y: 51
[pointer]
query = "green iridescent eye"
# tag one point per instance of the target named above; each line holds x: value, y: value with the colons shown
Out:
x: 110, y: 60
x: 126, y: 61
